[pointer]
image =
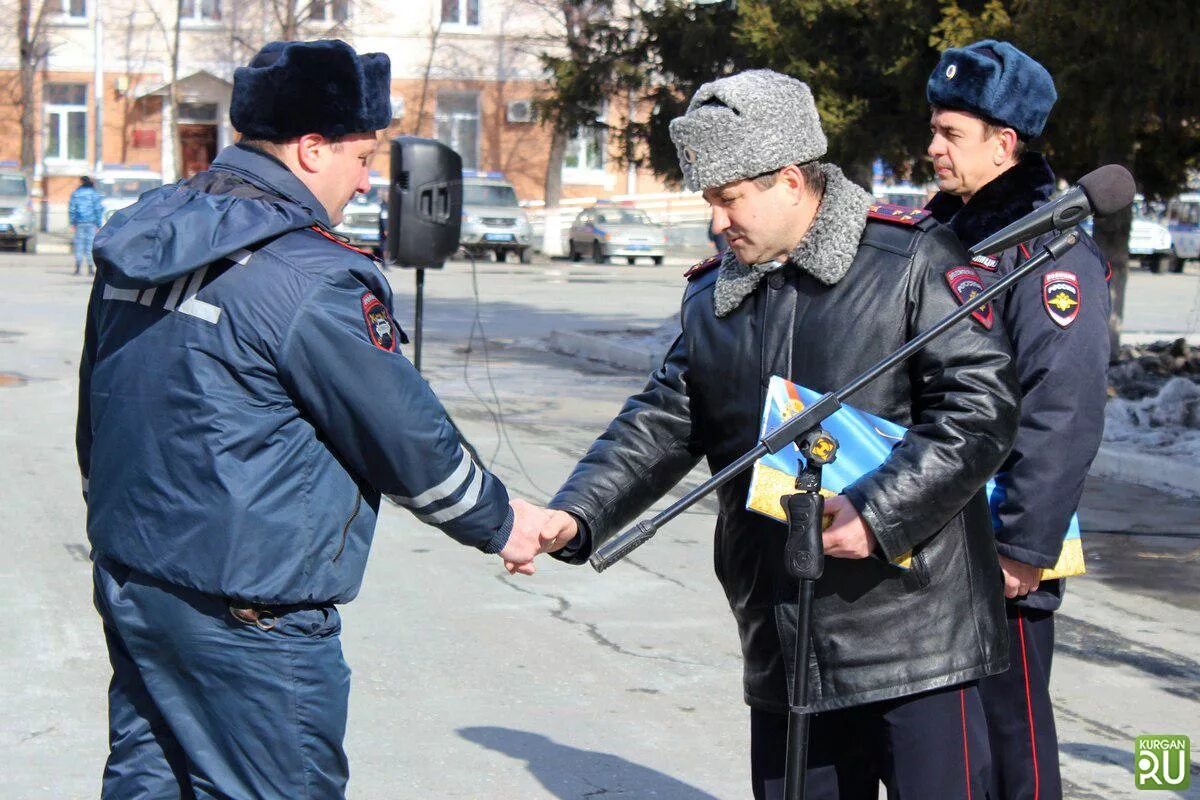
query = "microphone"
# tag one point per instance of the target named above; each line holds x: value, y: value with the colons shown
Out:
x: 1102, y: 191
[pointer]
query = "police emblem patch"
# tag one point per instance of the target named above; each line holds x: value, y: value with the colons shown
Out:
x: 380, y: 329
x: 966, y: 285
x: 1060, y: 296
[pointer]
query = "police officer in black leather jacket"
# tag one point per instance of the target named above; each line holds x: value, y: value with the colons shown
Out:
x: 818, y: 285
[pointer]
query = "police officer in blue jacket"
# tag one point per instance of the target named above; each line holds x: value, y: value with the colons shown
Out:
x: 989, y: 100
x: 243, y: 408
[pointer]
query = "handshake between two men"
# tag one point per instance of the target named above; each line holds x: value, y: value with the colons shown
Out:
x: 539, y: 530
x: 535, y: 531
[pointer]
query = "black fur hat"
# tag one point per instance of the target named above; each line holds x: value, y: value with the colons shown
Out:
x: 293, y: 88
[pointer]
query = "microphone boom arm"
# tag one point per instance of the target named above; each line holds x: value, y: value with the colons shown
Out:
x: 621, y: 545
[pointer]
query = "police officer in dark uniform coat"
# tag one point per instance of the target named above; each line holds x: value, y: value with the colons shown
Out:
x: 817, y: 286
x: 243, y: 406
x: 989, y: 100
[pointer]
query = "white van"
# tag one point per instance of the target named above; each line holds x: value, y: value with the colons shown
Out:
x: 1183, y: 220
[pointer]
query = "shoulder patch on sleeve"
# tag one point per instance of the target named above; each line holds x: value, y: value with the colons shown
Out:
x: 901, y: 215
x: 380, y: 328
x: 704, y: 266
x: 966, y: 284
x: 1061, y: 297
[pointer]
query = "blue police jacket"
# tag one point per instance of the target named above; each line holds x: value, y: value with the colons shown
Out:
x: 1057, y: 322
x: 86, y: 206
x: 243, y: 402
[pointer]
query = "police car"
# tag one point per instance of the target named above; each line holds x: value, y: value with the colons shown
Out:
x: 1183, y: 221
x: 1150, y: 241
x: 122, y: 184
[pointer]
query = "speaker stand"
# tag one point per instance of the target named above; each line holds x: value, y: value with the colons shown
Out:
x: 420, y: 313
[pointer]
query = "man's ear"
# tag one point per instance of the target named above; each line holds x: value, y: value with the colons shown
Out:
x: 311, y: 151
x: 1006, y: 145
x: 793, y: 180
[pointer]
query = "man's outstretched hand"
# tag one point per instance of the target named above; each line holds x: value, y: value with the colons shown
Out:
x: 555, y: 529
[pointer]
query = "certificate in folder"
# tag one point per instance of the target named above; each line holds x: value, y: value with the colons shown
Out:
x: 865, y: 441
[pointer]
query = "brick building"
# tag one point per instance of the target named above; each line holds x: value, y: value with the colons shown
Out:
x: 464, y: 71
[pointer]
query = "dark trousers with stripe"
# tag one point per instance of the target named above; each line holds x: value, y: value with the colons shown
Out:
x: 926, y: 746
x: 1020, y: 719
x: 203, y: 706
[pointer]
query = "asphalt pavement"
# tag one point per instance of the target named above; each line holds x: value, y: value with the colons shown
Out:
x: 470, y: 683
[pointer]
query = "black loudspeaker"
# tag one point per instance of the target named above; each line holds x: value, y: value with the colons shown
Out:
x: 424, y: 203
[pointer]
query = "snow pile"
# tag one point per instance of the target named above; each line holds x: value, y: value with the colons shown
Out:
x: 1166, y: 424
x: 1141, y: 371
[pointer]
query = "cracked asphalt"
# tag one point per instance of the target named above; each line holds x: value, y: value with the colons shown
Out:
x: 470, y: 683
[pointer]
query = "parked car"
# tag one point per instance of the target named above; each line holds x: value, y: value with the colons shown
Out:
x: 604, y: 231
x: 1149, y: 242
x: 360, y: 221
x: 16, y: 210
x: 1183, y: 221
x: 122, y: 185
x: 492, y: 219
x: 901, y: 194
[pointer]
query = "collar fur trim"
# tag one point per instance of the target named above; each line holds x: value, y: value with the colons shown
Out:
x: 1014, y: 193
x: 825, y: 252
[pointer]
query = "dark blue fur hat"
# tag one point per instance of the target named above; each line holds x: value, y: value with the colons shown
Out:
x: 994, y: 80
x: 293, y: 88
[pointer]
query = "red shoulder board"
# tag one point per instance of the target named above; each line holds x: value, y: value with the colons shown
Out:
x: 703, y: 267
x: 343, y: 243
x: 890, y: 212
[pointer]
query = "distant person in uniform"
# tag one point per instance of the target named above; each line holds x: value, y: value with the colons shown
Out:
x: 243, y: 407
x: 86, y: 214
x: 989, y: 101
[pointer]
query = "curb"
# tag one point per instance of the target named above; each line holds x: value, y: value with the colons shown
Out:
x: 584, y: 344
x: 1157, y: 472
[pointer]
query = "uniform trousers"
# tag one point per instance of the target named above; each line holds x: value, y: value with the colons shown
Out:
x: 205, y: 705
x: 85, y: 234
x: 1020, y: 719
x: 931, y: 745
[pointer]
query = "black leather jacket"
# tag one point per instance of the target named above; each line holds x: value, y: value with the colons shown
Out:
x: 878, y: 631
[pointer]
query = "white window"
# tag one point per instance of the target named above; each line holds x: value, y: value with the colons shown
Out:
x: 200, y: 10
x: 331, y: 11
x: 457, y: 118
x: 587, y: 152
x: 66, y: 121
x: 75, y: 9
x: 461, y: 12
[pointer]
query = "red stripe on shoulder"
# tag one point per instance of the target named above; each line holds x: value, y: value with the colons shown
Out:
x: 346, y: 245
x: 901, y: 215
x: 704, y: 266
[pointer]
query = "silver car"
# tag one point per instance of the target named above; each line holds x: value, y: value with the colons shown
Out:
x: 361, y: 219
x: 602, y: 232
x: 16, y: 211
x: 492, y: 219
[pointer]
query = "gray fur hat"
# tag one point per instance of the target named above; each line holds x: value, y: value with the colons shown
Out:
x: 744, y: 125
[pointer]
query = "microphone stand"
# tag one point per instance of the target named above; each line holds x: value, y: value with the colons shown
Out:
x: 803, y: 553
